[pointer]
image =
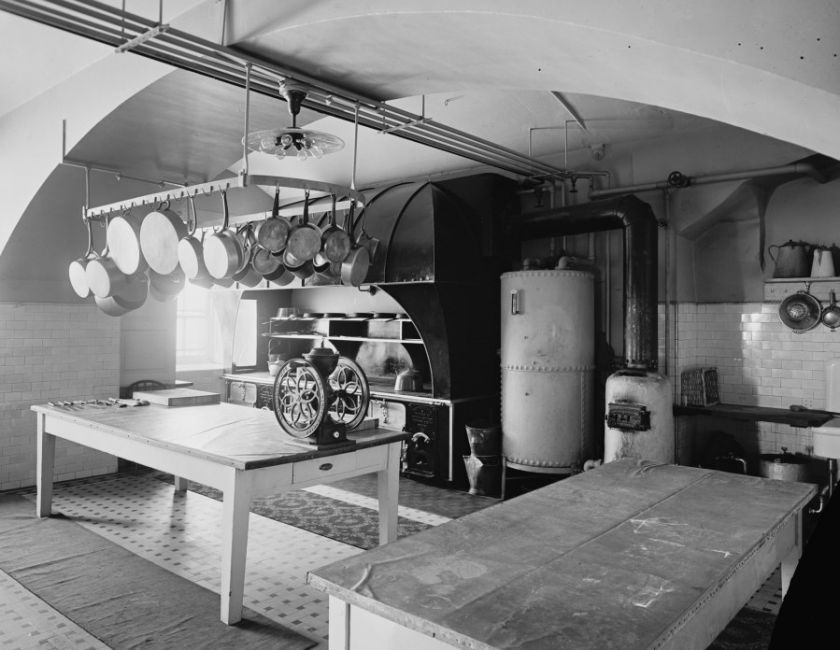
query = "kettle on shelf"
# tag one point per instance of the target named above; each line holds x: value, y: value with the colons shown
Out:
x: 791, y: 259
x: 409, y: 379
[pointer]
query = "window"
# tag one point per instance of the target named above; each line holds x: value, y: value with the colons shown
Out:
x: 215, y: 329
x: 198, y: 339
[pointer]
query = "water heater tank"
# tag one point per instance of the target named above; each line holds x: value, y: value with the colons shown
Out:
x: 640, y: 418
x: 548, y: 365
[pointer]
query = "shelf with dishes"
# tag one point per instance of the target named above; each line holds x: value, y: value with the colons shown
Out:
x: 358, y: 328
x: 314, y: 335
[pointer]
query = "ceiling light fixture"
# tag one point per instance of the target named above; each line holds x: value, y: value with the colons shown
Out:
x: 292, y: 141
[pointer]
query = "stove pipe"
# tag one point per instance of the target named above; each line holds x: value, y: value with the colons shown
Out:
x: 640, y: 226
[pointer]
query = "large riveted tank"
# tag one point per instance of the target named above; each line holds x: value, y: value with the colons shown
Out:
x: 548, y: 364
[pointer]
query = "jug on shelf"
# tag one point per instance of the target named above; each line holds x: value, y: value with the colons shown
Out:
x: 822, y: 265
x: 791, y: 259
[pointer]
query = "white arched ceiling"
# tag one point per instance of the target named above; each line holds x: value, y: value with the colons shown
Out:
x: 769, y: 66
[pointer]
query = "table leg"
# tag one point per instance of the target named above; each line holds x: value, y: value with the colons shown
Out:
x: 45, y: 469
x: 388, y: 489
x: 792, y: 558
x: 180, y: 484
x: 235, y: 509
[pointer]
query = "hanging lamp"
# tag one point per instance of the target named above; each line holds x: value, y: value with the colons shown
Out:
x: 293, y: 141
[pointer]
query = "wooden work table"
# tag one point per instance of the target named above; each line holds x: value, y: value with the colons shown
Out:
x: 239, y: 450
x: 627, y: 555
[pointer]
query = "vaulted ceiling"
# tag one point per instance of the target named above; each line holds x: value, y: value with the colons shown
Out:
x: 561, y: 81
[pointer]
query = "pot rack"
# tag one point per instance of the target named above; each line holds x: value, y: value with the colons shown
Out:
x: 243, y: 179
x: 215, y: 187
x: 128, y: 32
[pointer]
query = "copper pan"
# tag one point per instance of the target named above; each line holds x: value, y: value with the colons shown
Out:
x: 305, y: 239
x: 160, y: 233
x: 123, y: 236
x: 223, y: 254
x: 273, y: 233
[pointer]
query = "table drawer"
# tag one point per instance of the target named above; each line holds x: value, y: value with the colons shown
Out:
x: 307, y: 470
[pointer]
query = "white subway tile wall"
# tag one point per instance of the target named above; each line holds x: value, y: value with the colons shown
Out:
x: 55, y: 352
x: 759, y: 362
x: 52, y: 352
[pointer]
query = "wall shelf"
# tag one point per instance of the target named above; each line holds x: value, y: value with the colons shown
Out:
x: 801, y: 419
x: 777, y: 289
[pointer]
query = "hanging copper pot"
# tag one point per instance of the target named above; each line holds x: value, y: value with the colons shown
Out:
x: 305, y: 239
x: 191, y: 252
x: 273, y: 233
x: 123, y: 236
x: 76, y: 271
x: 223, y: 253
x: 160, y: 233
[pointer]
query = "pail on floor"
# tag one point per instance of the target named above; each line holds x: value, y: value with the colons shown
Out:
x: 484, y: 438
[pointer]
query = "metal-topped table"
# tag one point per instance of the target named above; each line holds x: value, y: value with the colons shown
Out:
x: 626, y: 555
x: 241, y: 451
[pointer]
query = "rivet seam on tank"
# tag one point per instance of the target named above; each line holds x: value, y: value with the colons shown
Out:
x: 518, y: 368
x: 534, y: 463
x: 547, y: 273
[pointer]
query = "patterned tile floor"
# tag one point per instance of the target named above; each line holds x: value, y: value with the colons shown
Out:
x: 180, y: 533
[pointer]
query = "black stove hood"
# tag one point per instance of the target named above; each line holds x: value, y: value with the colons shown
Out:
x: 431, y: 231
x: 440, y: 255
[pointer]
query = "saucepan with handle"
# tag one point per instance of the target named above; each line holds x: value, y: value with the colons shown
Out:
x: 305, y: 239
x: 830, y: 316
x: 336, y: 242
x: 273, y: 233
x: 223, y: 254
x: 76, y: 271
x: 355, y: 266
x: 191, y: 251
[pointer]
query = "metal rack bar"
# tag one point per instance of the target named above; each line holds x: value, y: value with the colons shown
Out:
x: 227, y: 64
x: 212, y: 187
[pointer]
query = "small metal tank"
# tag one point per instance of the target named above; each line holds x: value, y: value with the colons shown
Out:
x: 548, y: 364
x: 640, y: 417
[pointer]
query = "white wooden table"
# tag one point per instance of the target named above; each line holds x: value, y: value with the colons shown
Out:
x: 239, y: 450
x: 623, y: 556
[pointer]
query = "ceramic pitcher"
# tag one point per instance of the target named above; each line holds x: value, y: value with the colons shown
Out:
x: 822, y: 265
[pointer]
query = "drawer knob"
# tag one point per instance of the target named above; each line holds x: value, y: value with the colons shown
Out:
x: 326, y: 467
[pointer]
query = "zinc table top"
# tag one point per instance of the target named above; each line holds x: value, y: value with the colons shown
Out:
x: 607, y: 558
x: 228, y: 434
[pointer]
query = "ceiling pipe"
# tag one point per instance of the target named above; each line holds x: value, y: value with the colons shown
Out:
x: 677, y: 180
x: 105, y: 24
x: 640, y: 227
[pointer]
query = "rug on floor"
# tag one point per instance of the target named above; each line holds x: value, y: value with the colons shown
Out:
x: 749, y: 630
x: 117, y: 596
x: 343, y: 522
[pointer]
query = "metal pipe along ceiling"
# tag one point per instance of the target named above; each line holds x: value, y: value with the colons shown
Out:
x: 640, y: 227
x: 130, y: 32
x: 801, y: 168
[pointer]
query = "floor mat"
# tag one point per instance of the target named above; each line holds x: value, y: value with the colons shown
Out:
x: 749, y: 630
x: 422, y: 496
x: 118, y: 597
x: 343, y: 522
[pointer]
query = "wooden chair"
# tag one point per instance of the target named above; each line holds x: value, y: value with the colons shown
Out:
x: 142, y: 384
